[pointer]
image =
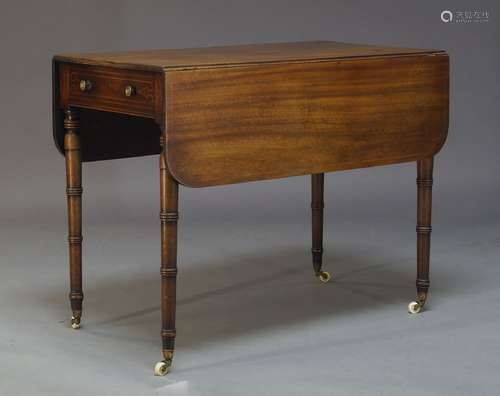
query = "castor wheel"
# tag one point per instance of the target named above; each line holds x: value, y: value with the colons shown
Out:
x: 161, y: 368
x: 414, y: 307
x: 75, y: 322
x: 324, y: 276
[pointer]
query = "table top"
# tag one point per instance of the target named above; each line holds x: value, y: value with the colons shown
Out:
x: 238, y: 55
x: 261, y: 111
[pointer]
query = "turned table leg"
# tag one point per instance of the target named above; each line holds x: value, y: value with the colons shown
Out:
x: 74, y: 197
x: 169, y: 215
x: 317, y: 205
x: 424, y: 206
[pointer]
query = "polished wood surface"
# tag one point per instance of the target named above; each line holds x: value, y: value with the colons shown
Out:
x: 317, y: 205
x: 235, y: 55
x: 74, y: 198
x: 278, y: 65
x: 424, y: 210
x: 236, y: 125
x: 107, y: 90
x: 234, y: 114
x: 169, y: 215
x: 105, y: 134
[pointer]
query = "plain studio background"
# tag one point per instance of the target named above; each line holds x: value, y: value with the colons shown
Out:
x: 251, y: 317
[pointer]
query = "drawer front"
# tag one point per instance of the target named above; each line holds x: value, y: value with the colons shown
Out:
x: 117, y: 90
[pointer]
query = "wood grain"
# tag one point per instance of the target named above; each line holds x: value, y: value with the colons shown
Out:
x: 74, y: 200
x: 107, y: 92
x: 109, y: 134
x: 250, y: 112
x: 169, y: 215
x: 424, y: 214
x: 234, y: 55
x: 106, y: 135
x: 317, y: 206
x: 231, y: 125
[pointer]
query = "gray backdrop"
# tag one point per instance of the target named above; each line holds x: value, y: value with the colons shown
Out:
x: 121, y: 197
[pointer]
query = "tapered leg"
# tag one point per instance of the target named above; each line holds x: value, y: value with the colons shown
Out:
x: 168, y: 216
x: 74, y: 197
x: 317, y: 205
x: 424, y: 207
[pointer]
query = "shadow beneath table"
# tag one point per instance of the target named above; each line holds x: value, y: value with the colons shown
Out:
x: 246, y: 295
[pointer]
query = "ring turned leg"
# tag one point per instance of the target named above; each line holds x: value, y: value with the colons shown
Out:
x: 424, y: 206
x: 317, y: 205
x: 168, y: 216
x: 74, y: 197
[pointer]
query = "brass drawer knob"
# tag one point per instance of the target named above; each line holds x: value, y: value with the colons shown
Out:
x: 129, y: 90
x: 85, y: 85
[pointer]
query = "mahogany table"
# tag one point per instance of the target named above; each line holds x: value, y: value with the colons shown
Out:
x: 235, y: 114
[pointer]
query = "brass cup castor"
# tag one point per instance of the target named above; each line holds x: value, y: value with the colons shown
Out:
x: 75, y: 322
x: 324, y: 276
x: 415, y: 307
x: 162, y: 368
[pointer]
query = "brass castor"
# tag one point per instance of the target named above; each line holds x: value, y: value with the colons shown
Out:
x: 75, y: 322
x: 417, y: 306
x: 162, y: 368
x: 324, y: 276
x: 414, y: 307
